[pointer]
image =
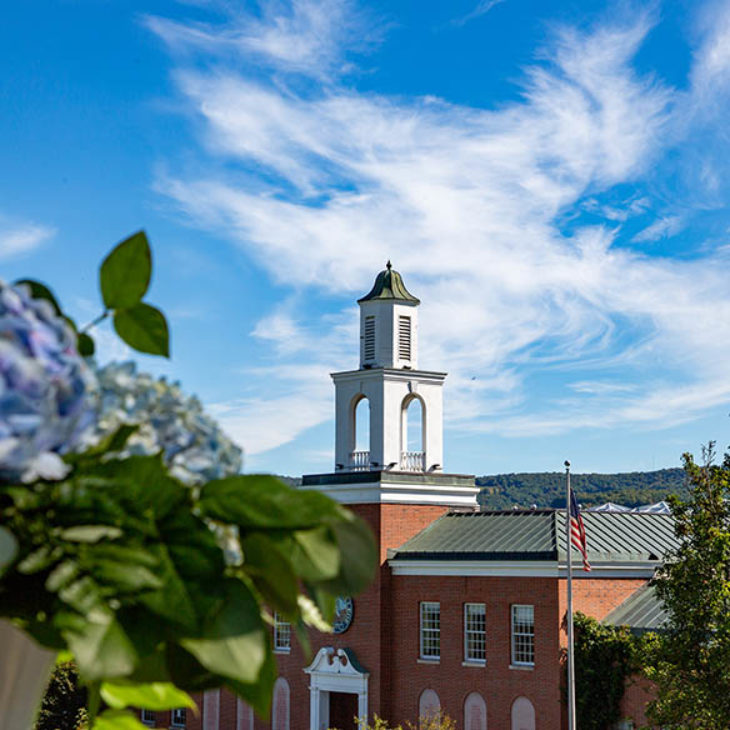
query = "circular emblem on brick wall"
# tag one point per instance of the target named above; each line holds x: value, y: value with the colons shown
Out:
x: 343, y: 614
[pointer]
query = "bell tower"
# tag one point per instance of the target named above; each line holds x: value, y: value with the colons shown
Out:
x: 401, y: 463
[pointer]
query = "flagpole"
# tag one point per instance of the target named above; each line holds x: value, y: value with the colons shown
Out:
x: 569, y: 614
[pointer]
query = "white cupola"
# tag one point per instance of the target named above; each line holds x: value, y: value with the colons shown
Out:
x: 394, y: 388
x: 389, y: 414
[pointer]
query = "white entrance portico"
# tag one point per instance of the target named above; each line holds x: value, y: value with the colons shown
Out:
x: 334, y: 670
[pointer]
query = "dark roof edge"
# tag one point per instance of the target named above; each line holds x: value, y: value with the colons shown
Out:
x: 542, y: 556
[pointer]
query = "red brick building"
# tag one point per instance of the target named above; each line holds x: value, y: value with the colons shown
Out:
x: 466, y: 611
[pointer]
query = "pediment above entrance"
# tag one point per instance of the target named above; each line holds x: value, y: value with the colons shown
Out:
x: 336, y: 662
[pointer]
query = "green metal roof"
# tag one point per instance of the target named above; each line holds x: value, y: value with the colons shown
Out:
x: 642, y: 611
x: 540, y: 535
x: 389, y: 285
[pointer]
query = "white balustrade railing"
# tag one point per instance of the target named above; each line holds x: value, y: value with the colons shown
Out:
x: 413, y: 461
x: 360, y: 461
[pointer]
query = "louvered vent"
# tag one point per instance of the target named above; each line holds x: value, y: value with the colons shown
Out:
x: 369, y: 347
x: 404, y: 338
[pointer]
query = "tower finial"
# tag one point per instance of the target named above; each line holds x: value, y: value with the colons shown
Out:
x: 389, y: 266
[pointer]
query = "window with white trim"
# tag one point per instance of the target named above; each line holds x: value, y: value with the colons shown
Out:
x: 523, y: 635
x: 430, y: 630
x: 475, y: 632
x: 149, y: 717
x: 179, y: 717
x: 404, y: 337
x: 369, y: 344
x: 282, y: 635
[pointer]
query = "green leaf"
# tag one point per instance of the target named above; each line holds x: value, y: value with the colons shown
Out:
x: 263, y: 502
x: 62, y: 575
x: 85, y: 345
x: 125, y: 578
x: 326, y: 602
x: 41, y: 291
x: 313, y: 616
x: 173, y: 600
x: 125, y: 273
x: 118, y: 720
x: 355, y: 540
x: 90, y: 533
x: 315, y: 555
x: 234, y: 642
x: 39, y: 559
x: 8, y: 548
x: 101, y: 647
x: 258, y: 694
x: 112, y: 442
x: 151, y: 696
x: 143, y: 328
x: 271, y: 573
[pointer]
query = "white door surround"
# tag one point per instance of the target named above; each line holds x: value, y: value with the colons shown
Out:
x: 334, y: 670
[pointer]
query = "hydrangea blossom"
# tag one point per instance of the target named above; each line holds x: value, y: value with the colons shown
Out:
x: 194, y: 447
x: 46, y: 388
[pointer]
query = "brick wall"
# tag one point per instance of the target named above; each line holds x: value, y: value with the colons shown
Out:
x: 496, y: 682
x: 597, y: 597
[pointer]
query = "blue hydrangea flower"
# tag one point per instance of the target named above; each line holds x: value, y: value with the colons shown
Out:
x: 194, y: 447
x: 46, y: 388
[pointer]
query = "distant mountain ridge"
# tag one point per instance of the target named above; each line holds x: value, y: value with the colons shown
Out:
x: 547, y: 489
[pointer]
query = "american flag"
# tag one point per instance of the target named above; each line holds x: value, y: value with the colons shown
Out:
x: 578, y: 531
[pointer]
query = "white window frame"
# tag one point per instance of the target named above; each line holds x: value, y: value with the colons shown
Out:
x: 282, y: 635
x: 148, y: 717
x: 480, y: 635
x: 516, y: 635
x: 430, y: 635
x: 178, y: 717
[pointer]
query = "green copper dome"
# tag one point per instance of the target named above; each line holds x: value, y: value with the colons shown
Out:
x: 389, y: 285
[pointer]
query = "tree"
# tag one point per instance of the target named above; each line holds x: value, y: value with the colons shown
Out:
x: 690, y: 662
x: 605, y: 657
x: 64, y: 704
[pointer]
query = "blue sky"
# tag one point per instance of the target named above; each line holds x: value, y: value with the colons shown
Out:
x: 551, y: 179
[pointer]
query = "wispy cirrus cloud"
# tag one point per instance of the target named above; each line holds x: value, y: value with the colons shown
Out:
x: 18, y: 238
x: 326, y: 183
x: 481, y: 8
x: 661, y: 228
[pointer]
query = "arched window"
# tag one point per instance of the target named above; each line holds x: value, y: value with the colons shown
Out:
x: 360, y: 443
x: 428, y: 705
x: 244, y: 715
x: 475, y: 712
x: 211, y: 709
x: 523, y: 714
x: 362, y: 425
x: 413, y: 434
x: 280, y: 706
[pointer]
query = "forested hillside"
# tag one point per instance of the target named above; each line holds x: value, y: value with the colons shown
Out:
x: 547, y: 489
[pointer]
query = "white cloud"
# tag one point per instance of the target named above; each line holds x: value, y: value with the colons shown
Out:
x: 465, y: 202
x: 662, y: 228
x: 302, y: 36
x: 481, y: 8
x: 17, y: 239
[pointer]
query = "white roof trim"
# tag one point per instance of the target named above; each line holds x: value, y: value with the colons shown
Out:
x: 398, y: 493
x: 519, y: 569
